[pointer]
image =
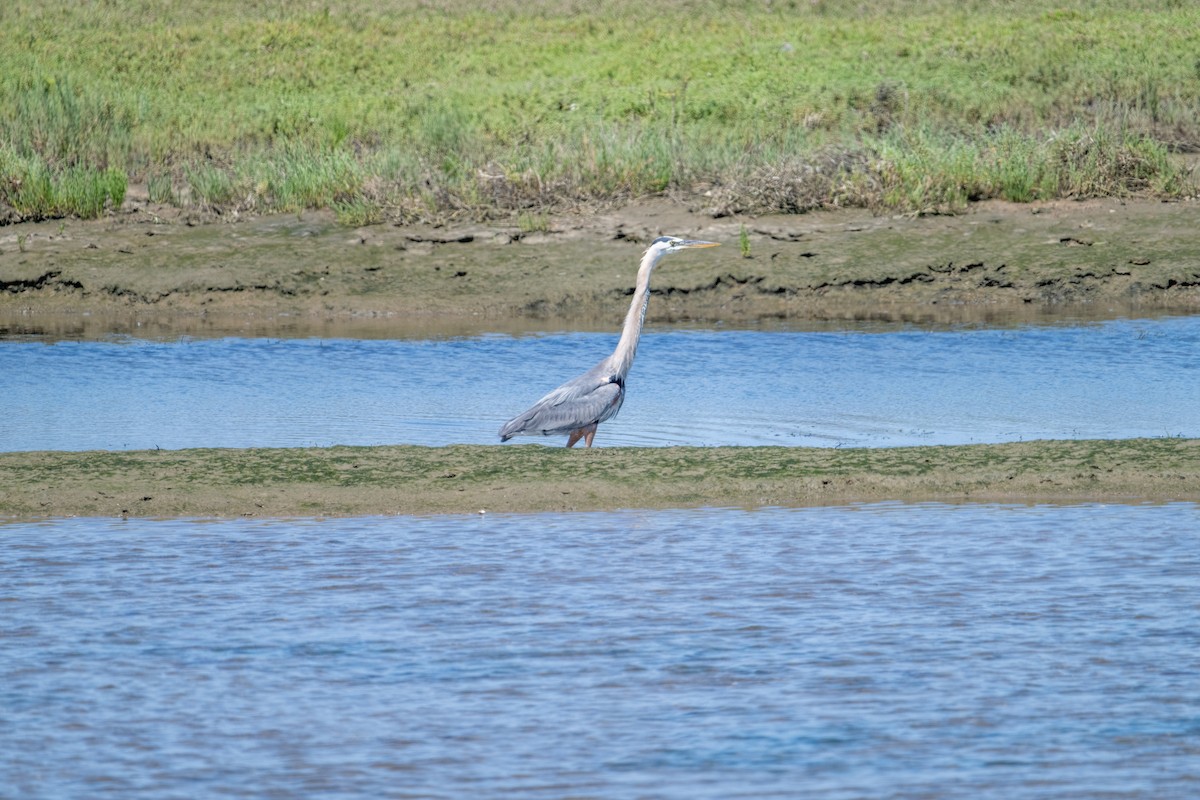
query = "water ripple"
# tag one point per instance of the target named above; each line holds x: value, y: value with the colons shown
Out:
x: 882, y: 650
x: 1113, y: 380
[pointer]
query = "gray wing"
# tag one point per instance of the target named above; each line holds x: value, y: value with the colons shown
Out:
x: 593, y: 397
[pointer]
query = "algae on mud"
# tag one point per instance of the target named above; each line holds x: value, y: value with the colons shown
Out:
x: 345, y: 481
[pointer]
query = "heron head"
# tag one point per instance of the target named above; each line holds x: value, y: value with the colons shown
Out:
x: 673, y: 244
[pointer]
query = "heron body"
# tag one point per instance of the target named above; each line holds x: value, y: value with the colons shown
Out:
x: 577, y: 407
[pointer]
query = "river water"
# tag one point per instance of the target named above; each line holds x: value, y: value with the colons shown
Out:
x: 883, y: 651
x: 899, y: 386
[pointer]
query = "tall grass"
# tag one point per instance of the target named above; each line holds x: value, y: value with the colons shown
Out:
x: 941, y: 173
x: 33, y: 190
x: 65, y: 123
x: 209, y: 186
x: 409, y: 109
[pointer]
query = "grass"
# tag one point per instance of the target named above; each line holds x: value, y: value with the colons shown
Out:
x: 416, y: 109
x: 34, y: 191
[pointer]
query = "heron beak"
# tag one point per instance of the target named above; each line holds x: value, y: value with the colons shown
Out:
x: 696, y: 243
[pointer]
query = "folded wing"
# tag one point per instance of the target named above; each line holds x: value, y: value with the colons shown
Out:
x: 589, y: 399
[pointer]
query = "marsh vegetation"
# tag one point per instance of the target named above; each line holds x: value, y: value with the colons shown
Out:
x: 414, y: 110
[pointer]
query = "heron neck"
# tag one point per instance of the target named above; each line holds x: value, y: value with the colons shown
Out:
x: 635, y: 318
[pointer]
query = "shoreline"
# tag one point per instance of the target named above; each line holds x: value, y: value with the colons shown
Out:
x: 469, y: 479
x: 304, y: 274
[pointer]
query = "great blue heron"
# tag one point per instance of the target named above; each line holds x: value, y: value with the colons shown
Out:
x: 580, y: 404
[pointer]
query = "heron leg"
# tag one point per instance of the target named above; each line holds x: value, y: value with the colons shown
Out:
x: 587, y: 433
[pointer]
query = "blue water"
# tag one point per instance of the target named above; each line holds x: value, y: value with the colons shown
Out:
x: 1117, y: 379
x: 883, y: 651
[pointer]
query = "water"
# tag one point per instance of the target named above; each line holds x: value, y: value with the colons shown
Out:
x: 1116, y: 379
x: 886, y: 651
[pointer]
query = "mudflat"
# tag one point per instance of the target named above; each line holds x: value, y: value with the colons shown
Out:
x: 158, y: 269
x: 344, y: 481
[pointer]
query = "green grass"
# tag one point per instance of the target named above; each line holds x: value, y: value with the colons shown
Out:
x: 529, y: 478
x: 34, y: 191
x: 413, y: 109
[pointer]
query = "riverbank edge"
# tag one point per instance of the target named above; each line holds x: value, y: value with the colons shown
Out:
x: 305, y: 275
x: 470, y: 479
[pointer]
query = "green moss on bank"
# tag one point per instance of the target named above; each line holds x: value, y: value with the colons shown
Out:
x: 530, y: 478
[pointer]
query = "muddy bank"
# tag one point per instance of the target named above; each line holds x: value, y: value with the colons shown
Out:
x: 152, y: 272
x: 531, y: 478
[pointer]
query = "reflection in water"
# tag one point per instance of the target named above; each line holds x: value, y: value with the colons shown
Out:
x: 855, y: 315
x: 1112, y: 380
x: 873, y: 651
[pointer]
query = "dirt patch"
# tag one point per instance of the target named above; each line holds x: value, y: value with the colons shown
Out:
x: 530, y: 478
x: 304, y: 273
